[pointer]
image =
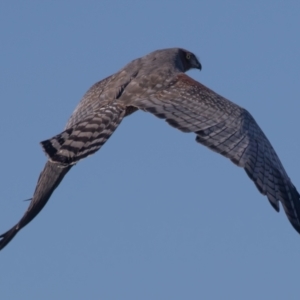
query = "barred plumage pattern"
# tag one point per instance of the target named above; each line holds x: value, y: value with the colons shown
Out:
x: 156, y: 83
x: 230, y: 130
x: 84, y: 138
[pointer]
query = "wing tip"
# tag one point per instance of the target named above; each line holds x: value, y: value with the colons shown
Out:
x: 296, y: 227
x: 6, y: 237
x: 292, y: 208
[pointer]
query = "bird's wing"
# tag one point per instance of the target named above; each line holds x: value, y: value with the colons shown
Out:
x: 90, y: 101
x: 49, y: 179
x: 86, y: 137
x: 229, y: 130
x: 64, y: 150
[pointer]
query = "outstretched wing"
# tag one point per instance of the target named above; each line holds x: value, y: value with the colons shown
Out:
x: 64, y: 150
x: 94, y: 120
x: 229, y: 130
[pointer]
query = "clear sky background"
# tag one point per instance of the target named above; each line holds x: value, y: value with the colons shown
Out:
x: 153, y: 214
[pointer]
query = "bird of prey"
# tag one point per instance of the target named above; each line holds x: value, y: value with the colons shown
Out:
x: 157, y: 83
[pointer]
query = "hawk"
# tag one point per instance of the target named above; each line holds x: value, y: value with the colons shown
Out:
x: 157, y: 83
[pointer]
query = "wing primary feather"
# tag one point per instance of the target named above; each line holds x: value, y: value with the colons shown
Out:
x: 48, y: 181
x: 229, y: 130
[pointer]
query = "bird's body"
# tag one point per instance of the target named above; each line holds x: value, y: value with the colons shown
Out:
x: 156, y: 83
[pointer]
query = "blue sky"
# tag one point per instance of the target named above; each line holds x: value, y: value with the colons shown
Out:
x: 153, y: 215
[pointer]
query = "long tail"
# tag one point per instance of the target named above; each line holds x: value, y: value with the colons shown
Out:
x: 48, y: 181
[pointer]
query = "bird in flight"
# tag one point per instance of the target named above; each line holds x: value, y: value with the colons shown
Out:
x: 157, y: 83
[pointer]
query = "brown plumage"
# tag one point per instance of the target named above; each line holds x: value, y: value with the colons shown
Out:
x: 156, y: 83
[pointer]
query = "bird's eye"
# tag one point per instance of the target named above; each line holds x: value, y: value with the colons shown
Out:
x: 188, y: 55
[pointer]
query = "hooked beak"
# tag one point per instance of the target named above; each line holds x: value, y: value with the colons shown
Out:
x: 196, y: 64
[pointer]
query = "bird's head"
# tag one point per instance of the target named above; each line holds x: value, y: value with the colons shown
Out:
x: 171, y: 59
x: 188, y: 60
x: 179, y: 58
